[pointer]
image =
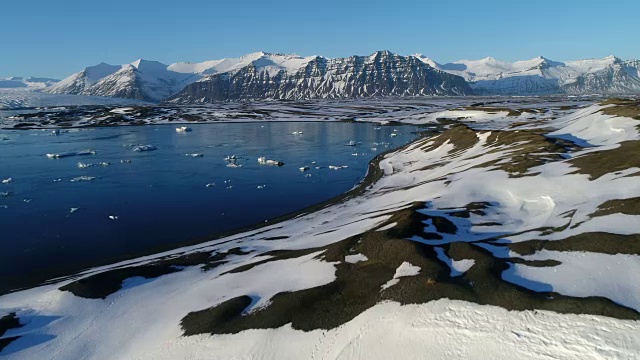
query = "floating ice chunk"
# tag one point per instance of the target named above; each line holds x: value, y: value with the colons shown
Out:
x: 27, y: 200
x: 125, y: 161
x: 183, y: 129
x: 121, y: 110
x: 262, y: 186
x: 83, y: 178
x: 314, y: 162
x: 55, y: 132
x: 210, y: 185
x: 194, y: 155
x: 141, y: 148
x: 234, y: 165
x: 334, y: 167
x: 5, y: 194
x: 72, y: 210
x: 377, y: 128
x: 307, y: 175
x: 394, y: 134
x: 229, y: 187
x: 104, y: 164
x: 296, y: 133
x: 395, y: 130
x: 374, y: 149
x: 352, y: 143
x: 7, y: 181
x: 82, y: 165
x: 304, y: 168
x: 231, y: 158
x: 57, y: 180
x: 113, y: 217
x: 264, y: 161
x: 71, y: 153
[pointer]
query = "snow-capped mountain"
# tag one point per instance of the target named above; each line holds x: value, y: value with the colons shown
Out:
x: 489, y: 76
x: 274, y: 76
x: 141, y: 79
x: 263, y: 75
x: 30, y: 82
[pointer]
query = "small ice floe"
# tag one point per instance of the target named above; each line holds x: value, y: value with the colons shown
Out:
x: 314, y: 162
x: 231, y: 158
x: 296, y: 133
x: 234, y: 165
x: 229, y: 187
x: 113, y: 217
x: 82, y: 165
x: 394, y: 134
x: 7, y: 181
x: 262, y: 186
x: 57, y: 180
x: 5, y: 194
x: 333, y: 167
x: 83, y: 178
x: 227, y: 181
x: 125, y: 161
x: 307, y: 175
x: 304, y: 168
x: 72, y: 210
x: 71, y: 153
x: 183, y: 129
x: 264, y: 161
x: 210, y: 185
x: 26, y: 201
x: 395, y: 130
x: 141, y: 148
x: 352, y: 143
x: 374, y: 149
x: 194, y: 155
x: 55, y: 132
x: 104, y: 163
x: 377, y: 128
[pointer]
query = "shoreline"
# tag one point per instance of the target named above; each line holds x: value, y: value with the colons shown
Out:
x: 373, y: 174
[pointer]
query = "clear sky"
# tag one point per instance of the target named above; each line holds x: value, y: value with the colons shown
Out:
x: 57, y: 37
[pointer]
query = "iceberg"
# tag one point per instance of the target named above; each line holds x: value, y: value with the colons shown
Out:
x: 71, y: 153
x: 7, y: 181
x: 183, y: 129
x: 141, y: 148
x: 264, y: 161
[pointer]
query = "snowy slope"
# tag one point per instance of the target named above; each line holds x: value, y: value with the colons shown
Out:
x: 81, y: 81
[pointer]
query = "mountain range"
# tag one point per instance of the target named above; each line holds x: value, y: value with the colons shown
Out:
x: 260, y: 76
x: 16, y: 82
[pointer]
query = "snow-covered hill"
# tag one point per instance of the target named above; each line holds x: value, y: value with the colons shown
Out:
x: 540, y: 75
x: 16, y: 82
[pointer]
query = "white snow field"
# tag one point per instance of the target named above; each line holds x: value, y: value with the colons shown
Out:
x: 548, y: 201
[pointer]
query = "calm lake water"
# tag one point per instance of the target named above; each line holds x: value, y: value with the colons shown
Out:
x: 161, y: 197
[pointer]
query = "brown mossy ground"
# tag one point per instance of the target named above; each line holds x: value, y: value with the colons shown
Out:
x: 599, y: 163
x: 619, y: 206
x: 599, y: 242
x: 103, y: 284
x: 358, y: 286
x: 527, y: 148
x: 623, y: 107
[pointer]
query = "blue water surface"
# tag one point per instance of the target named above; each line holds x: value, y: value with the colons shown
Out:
x: 160, y: 197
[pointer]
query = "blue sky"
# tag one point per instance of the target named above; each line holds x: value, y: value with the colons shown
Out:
x: 55, y: 38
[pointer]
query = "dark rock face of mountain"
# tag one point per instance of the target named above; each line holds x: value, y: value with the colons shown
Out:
x: 381, y: 74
